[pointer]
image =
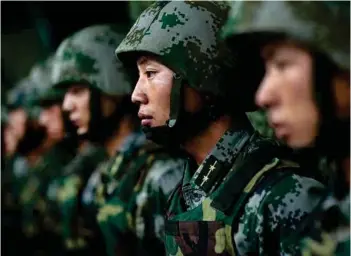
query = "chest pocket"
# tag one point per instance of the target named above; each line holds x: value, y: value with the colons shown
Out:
x: 196, y: 238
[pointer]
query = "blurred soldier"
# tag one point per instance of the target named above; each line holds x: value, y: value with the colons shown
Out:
x: 306, y: 90
x: 24, y: 146
x: 238, y: 195
x: 39, y: 195
x: 98, y: 102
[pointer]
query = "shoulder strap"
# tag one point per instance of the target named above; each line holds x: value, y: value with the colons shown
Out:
x: 247, y: 176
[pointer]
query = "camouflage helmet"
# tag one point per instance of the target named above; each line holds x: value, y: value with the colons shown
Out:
x: 15, y: 97
x: 184, y: 35
x: 88, y: 56
x: 323, y: 26
x: 21, y: 96
x: 4, y: 114
x: 41, y: 78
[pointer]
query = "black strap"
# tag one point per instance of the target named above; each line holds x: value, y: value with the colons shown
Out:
x: 239, y: 178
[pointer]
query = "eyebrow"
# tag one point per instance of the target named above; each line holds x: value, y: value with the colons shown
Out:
x: 142, y: 61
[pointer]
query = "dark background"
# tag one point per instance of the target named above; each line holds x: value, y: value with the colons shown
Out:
x: 31, y: 30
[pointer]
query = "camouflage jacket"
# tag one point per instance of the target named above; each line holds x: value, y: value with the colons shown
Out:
x: 75, y: 178
x: 327, y: 230
x: 38, y: 197
x: 240, y: 201
x: 135, y: 189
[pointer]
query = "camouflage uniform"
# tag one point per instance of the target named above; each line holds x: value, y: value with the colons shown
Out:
x: 74, y: 180
x: 14, y: 175
x: 86, y: 57
x: 323, y: 27
x: 134, y: 192
x: 246, y: 195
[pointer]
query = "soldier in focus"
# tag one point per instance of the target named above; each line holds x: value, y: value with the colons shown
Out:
x: 240, y: 193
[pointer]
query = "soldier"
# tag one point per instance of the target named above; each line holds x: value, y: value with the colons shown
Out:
x: 24, y: 147
x: 306, y: 90
x: 240, y: 194
x: 98, y: 102
x: 39, y: 195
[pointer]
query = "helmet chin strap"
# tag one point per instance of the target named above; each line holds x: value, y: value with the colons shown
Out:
x: 101, y: 128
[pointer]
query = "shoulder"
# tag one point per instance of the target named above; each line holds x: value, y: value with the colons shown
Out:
x: 164, y: 174
x: 275, y: 211
x: 286, y: 200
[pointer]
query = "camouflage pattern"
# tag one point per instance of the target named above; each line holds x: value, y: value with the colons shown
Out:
x: 169, y: 29
x: 308, y: 22
x: 41, y: 77
x: 138, y: 169
x: 88, y: 57
x: 243, y: 199
x: 13, y: 177
x: 4, y: 114
x: 16, y: 96
x: 38, y: 199
x: 326, y: 231
x: 74, y: 180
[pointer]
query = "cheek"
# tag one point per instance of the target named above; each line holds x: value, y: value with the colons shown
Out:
x: 84, y: 108
x: 160, y: 92
x: 303, y: 110
x: 56, y: 118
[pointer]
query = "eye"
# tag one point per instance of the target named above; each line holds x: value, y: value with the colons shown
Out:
x: 150, y: 74
x: 282, y: 63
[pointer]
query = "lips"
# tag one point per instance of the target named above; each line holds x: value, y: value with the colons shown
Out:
x: 75, y: 122
x: 146, y: 120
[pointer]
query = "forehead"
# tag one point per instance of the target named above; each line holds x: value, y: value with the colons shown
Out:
x: 146, y: 60
x: 81, y: 85
x: 271, y: 49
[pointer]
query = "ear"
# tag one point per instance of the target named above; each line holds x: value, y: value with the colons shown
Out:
x: 341, y: 89
x: 193, y: 101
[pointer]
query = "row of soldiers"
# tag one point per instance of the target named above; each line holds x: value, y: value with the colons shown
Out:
x: 146, y: 142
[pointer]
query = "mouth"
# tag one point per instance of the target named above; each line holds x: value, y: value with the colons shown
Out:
x: 146, y: 120
x: 280, y: 130
x: 75, y: 122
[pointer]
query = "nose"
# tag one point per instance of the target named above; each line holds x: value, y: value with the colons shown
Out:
x: 67, y: 104
x: 265, y: 94
x: 43, y: 117
x: 139, y: 96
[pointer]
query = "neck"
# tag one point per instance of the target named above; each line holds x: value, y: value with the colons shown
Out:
x: 201, y: 145
x: 125, y: 128
x: 82, y: 145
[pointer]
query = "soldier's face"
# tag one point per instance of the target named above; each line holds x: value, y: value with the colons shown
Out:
x: 51, y: 118
x: 17, y: 120
x: 76, y: 103
x: 152, y: 92
x: 287, y: 94
x: 10, y: 140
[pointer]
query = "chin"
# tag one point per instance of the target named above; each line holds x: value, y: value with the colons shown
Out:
x: 82, y: 131
x: 299, y: 142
